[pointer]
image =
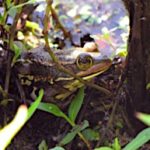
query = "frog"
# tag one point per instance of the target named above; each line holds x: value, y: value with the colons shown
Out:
x: 37, y: 68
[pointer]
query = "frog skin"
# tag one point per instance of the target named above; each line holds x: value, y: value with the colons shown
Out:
x: 36, y: 67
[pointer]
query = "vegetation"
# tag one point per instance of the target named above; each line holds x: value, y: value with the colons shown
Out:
x: 77, y: 107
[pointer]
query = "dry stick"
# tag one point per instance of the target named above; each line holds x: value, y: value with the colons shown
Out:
x: 21, y: 91
x: 8, y: 72
x: 55, y: 17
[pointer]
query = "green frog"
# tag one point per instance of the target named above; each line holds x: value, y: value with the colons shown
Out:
x: 37, y: 68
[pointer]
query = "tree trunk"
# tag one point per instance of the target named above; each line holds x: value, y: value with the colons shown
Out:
x: 138, y: 59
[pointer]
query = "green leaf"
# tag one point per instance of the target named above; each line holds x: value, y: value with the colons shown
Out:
x: 8, y: 3
x: 139, y: 140
x: 57, y: 148
x: 1, y: 19
x: 12, y: 11
x: 43, y: 146
x: 103, y: 148
x: 22, y: 116
x: 71, y: 135
x: 76, y: 104
x: 148, y: 86
x: 145, y: 118
x: 17, y: 52
x: 51, y: 108
x: 35, y: 104
x: 68, y: 138
x: 116, y: 144
x: 8, y: 132
x: 84, y: 125
x: 32, y: 25
x: 91, y: 134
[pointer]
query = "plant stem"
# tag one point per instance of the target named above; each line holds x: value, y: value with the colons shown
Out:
x: 55, y: 17
x: 10, y: 47
x: 79, y: 133
x: 55, y: 59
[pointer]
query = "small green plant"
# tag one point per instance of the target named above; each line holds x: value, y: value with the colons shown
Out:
x: 73, y: 111
x: 115, y: 146
x: 23, y: 114
x: 142, y: 138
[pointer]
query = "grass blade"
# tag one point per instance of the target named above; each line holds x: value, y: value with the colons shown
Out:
x: 139, y: 140
x: 35, y: 104
x: 76, y: 104
x: 145, y: 118
x: 71, y: 135
x: 10, y: 130
x: 51, y: 108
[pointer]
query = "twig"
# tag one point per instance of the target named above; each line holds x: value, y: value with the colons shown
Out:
x: 21, y: 91
x: 55, y: 17
x: 45, y: 31
x: 8, y: 72
x: 13, y: 29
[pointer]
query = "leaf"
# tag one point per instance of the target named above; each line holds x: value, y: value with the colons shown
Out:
x: 71, y: 135
x: 12, y: 11
x: 43, y: 146
x: 57, y: 148
x: 1, y: 18
x: 35, y: 104
x: 68, y: 138
x: 148, y: 86
x: 139, y: 140
x: 145, y: 118
x: 91, y: 134
x: 22, y: 116
x: 84, y: 125
x: 8, y: 3
x: 103, y: 148
x: 17, y: 52
x: 10, y: 130
x: 32, y: 25
x: 76, y: 104
x: 51, y: 108
x: 116, y: 144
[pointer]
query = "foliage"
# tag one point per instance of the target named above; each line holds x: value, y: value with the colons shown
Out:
x: 43, y: 145
x: 104, y: 40
x: 139, y: 140
x: 22, y: 116
x: 9, y: 131
x: 145, y: 118
x: 75, y: 105
x: 73, y: 112
x: 115, y: 146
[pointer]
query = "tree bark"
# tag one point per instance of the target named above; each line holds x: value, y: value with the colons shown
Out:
x: 138, y: 59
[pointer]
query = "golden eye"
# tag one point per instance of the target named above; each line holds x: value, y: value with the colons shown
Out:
x: 84, y: 61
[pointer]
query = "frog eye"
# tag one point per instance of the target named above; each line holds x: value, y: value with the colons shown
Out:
x: 84, y: 61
